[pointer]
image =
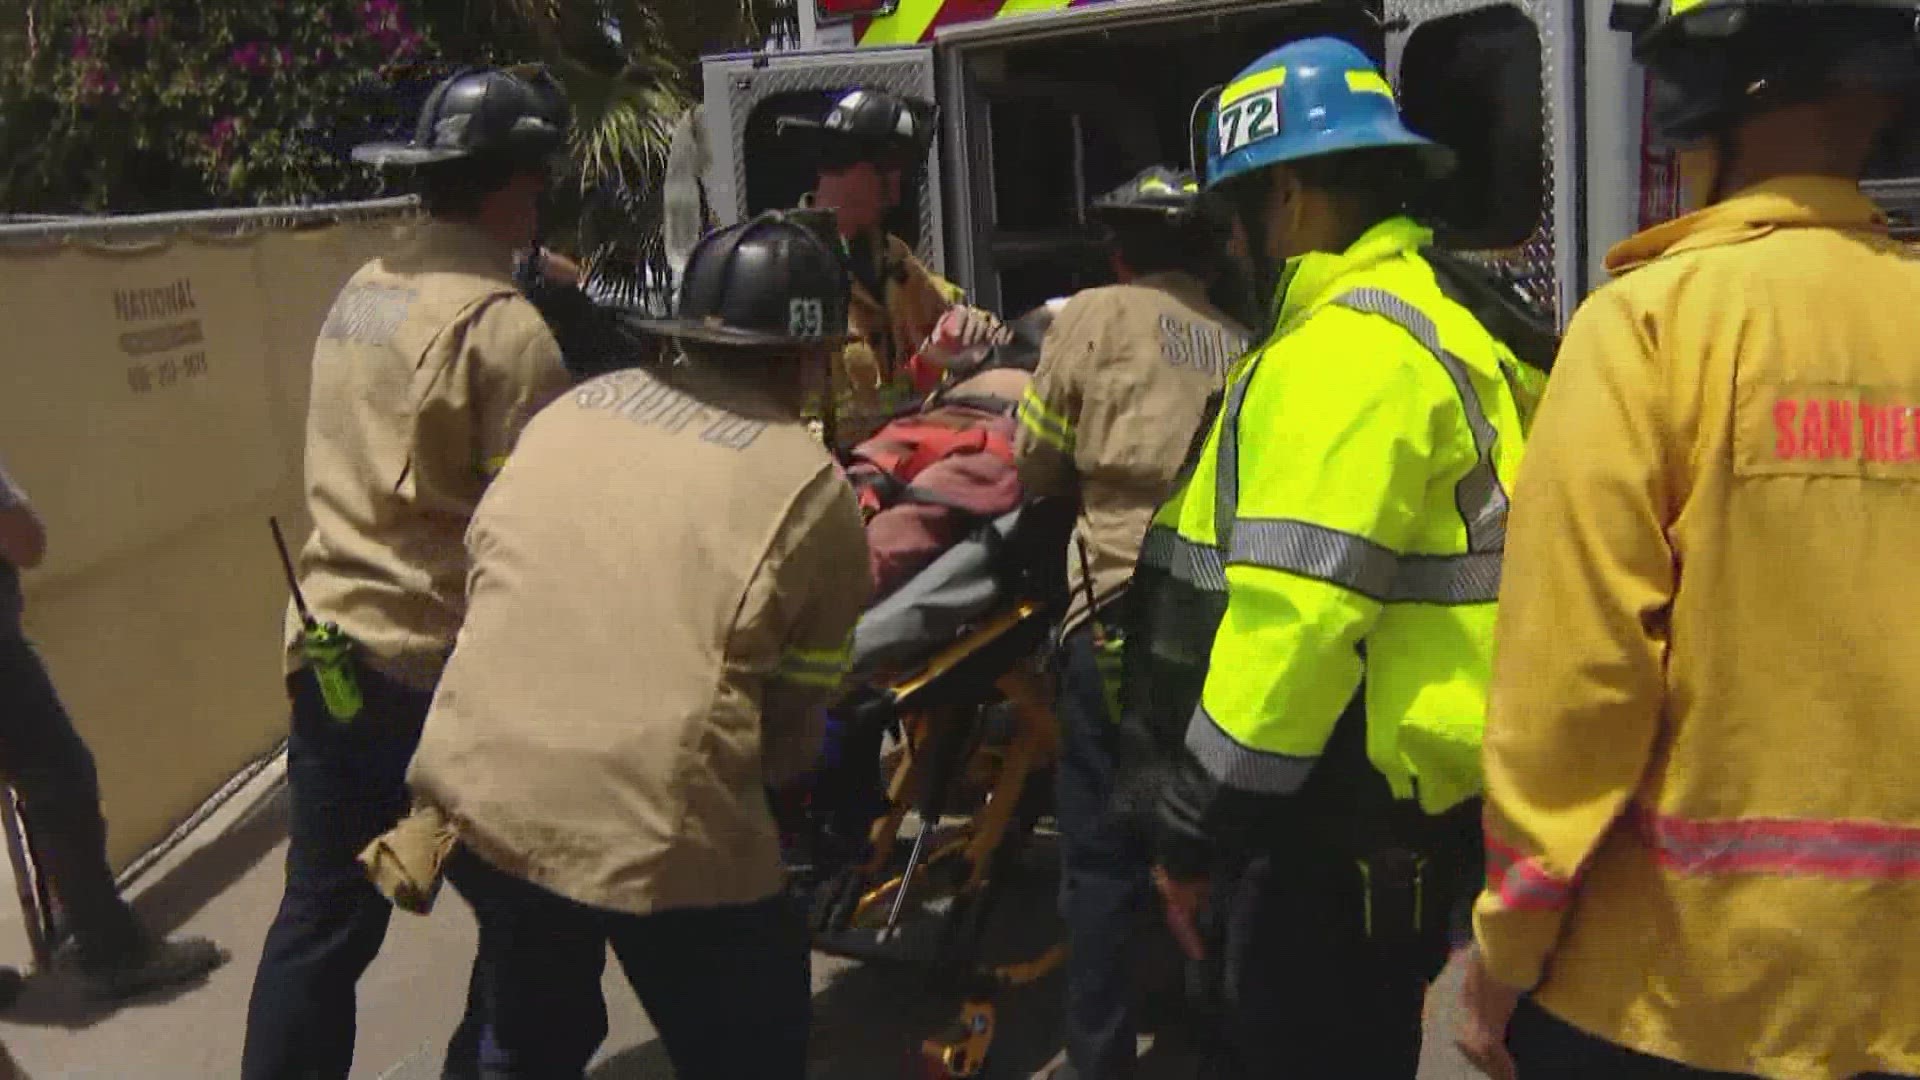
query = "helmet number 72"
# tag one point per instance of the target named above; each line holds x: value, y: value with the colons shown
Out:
x: 1249, y: 120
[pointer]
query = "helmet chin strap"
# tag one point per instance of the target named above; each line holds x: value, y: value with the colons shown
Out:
x: 1712, y: 187
x: 1268, y: 271
x: 1725, y: 150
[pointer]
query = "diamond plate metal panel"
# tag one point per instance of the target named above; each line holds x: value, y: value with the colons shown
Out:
x: 1536, y: 266
x: 904, y: 72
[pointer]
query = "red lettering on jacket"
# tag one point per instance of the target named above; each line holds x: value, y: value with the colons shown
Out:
x: 1785, y: 446
x: 1813, y: 436
x: 1839, y: 429
x: 1899, y: 433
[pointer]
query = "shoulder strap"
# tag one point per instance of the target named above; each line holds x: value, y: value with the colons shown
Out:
x: 1506, y: 312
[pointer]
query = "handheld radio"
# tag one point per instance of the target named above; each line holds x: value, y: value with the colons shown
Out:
x: 327, y: 649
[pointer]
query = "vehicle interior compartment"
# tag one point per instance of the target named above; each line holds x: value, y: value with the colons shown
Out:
x: 1027, y: 197
x: 1116, y: 100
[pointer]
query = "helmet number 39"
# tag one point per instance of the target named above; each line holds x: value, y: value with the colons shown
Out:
x: 806, y: 317
x: 1249, y: 120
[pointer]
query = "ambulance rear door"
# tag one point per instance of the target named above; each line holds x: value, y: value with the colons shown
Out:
x: 1503, y: 83
x: 749, y: 171
x: 1045, y: 110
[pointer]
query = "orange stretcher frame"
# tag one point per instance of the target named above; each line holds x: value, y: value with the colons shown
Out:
x: 964, y: 862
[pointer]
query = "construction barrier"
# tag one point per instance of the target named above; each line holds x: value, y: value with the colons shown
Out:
x: 153, y: 386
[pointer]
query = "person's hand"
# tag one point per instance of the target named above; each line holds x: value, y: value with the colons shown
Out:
x: 1486, y: 1008
x: 973, y: 328
x: 557, y: 269
x: 1183, y: 900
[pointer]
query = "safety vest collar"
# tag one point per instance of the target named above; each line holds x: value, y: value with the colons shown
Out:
x: 1310, y: 280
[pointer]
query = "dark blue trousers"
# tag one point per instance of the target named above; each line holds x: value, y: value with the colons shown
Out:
x: 727, y: 988
x: 43, y: 758
x: 1548, y: 1048
x: 1105, y: 889
x: 346, y: 786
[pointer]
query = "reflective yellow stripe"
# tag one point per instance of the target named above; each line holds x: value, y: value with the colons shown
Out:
x: 905, y: 26
x: 816, y: 667
x: 1253, y: 84
x: 1022, y: 7
x: 493, y: 465
x: 1369, y: 82
x: 1681, y: 7
x: 1047, y: 426
x: 822, y: 656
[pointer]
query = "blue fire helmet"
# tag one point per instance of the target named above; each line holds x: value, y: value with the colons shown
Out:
x: 1307, y: 99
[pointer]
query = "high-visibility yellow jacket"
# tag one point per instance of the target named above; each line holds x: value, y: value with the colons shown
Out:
x: 1703, y: 817
x: 1351, y: 496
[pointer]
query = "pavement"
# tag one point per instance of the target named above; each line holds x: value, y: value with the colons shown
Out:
x: 224, y: 882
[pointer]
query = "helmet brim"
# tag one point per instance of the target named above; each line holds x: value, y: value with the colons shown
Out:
x: 712, y: 334
x: 1437, y: 162
x: 1123, y: 213
x: 815, y: 139
x: 387, y: 155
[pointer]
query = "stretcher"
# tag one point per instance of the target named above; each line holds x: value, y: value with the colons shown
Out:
x: 975, y: 742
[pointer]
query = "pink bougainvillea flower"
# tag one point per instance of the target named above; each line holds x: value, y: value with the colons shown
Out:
x: 250, y: 58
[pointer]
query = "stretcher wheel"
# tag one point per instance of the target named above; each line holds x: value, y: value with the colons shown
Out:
x: 961, y: 1049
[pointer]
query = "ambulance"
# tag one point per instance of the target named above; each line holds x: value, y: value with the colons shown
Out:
x: 1043, y: 102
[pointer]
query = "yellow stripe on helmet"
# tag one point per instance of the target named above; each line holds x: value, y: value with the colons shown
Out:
x: 1253, y: 84
x: 1369, y: 82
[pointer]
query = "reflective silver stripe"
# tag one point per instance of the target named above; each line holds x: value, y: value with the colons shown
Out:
x: 1481, y: 499
x: 1241, y: 767
x: 1226, y: 481
x: 1447, y: 579
x: 1198, y: 565
x: 1345, y: 559
x: 1316, y: 552
x: 1157, y: 551
x: 1356, y: 563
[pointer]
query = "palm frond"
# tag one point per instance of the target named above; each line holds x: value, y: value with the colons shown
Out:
x: 628, y: 69
x: 623, y: 124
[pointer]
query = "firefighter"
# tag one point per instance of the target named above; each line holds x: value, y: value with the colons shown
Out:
x: 1124, y: 375
x: 867, y: 153
x: 46, y: 763
x: 1702, y: 824
x: 425, y: 370
x: 610, y: 783
x: 1349, y: 500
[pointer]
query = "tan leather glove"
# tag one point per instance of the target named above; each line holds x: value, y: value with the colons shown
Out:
x: 408, y: 863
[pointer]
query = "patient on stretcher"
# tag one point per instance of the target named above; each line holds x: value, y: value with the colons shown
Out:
x: 940, y: 494
x: 930, y: 479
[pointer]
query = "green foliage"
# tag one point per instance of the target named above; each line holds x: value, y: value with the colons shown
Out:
x: 180, y: 104
x: 141, y: 105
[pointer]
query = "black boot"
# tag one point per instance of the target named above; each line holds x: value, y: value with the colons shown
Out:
x: 119, y: 972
